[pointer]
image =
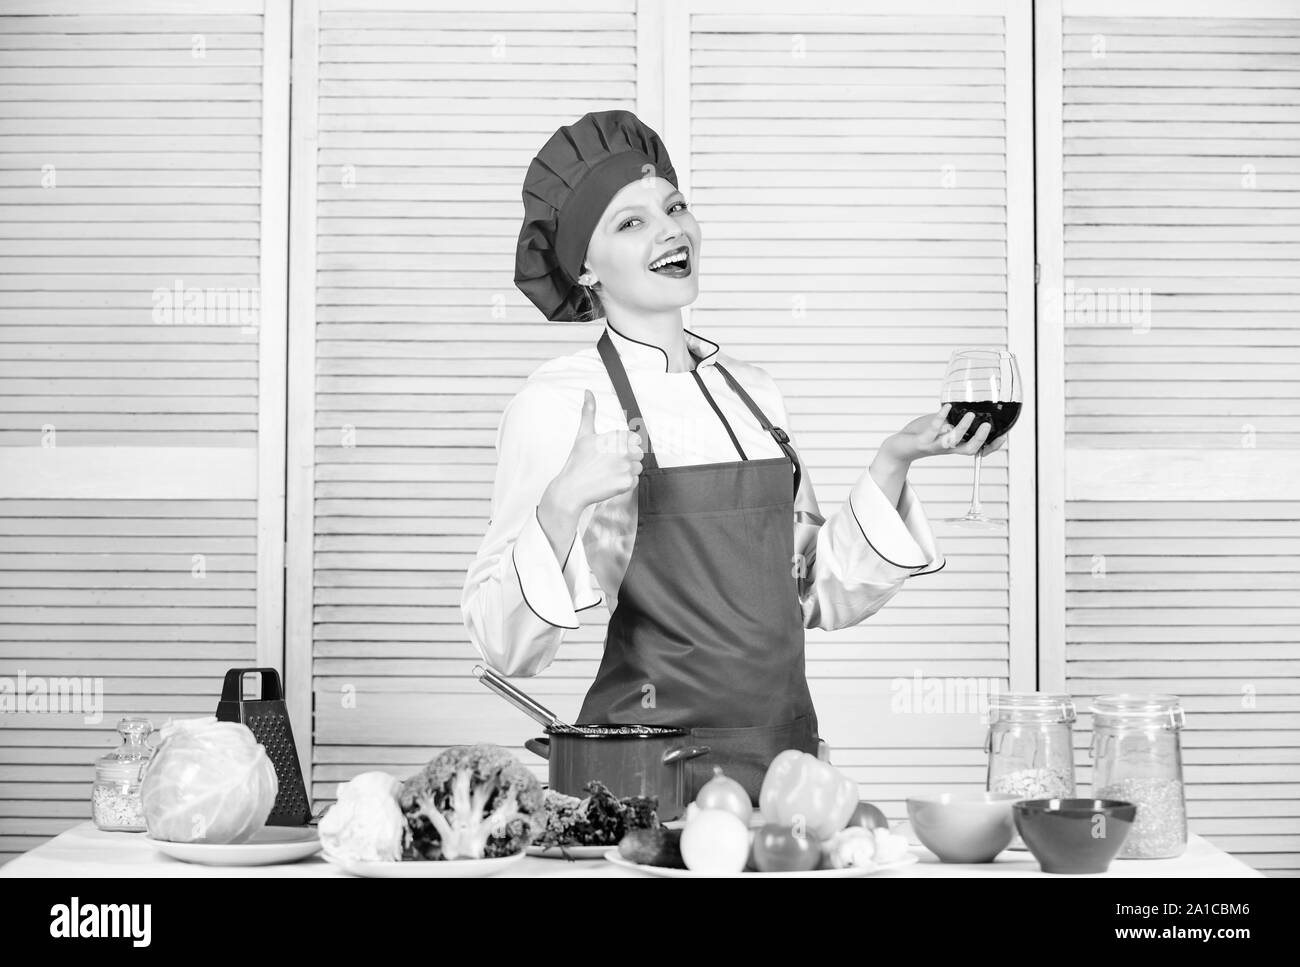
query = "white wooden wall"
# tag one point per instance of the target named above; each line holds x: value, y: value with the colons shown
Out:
x: 142, y: 145
x: 1169, y: 161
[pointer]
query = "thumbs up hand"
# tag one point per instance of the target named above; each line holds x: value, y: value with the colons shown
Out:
x: 600, y: 465
x: 587, y: 422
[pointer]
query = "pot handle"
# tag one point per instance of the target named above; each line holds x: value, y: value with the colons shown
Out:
x: 541, y: 747
x: 683, y: 752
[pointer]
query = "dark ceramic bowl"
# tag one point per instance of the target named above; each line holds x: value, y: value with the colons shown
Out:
x: 1074, y: 835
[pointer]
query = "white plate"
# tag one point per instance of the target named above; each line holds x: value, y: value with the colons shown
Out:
x: 569, y: 852
x: 424, y: 869
x: 906, y: 860
x: 269, y: 845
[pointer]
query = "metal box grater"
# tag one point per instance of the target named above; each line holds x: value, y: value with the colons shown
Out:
x: 268, y: 719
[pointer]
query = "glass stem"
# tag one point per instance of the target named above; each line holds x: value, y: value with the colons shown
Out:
x: 975, y: 510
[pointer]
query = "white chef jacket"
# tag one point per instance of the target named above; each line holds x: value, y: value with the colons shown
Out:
x: 518, y: 601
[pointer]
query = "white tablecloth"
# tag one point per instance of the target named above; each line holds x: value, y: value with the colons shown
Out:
x: 85, y: 851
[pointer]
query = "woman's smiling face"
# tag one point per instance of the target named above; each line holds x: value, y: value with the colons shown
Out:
x: 646, y: 220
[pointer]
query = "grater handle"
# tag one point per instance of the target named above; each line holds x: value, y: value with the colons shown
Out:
x: 232, y: 689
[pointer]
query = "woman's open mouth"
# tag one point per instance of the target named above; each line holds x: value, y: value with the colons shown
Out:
x: 675, y: 264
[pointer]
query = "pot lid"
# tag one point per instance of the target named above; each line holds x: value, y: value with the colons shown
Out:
x: 615, y: 731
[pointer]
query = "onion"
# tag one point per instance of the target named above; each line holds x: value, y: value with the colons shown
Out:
x: 727, y: 794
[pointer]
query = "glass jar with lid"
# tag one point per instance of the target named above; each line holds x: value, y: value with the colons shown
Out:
x: 1030, y: 745
x: 1137, y: 757
x: 115, y: 796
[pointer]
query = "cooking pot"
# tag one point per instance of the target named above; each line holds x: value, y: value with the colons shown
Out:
x: 631, y: 760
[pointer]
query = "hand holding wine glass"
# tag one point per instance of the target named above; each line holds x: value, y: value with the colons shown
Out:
x: 980, y: 403
x: 982, y: 385
x: 933, y: 435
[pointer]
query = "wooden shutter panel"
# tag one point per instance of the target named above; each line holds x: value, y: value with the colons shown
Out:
x: 860, y: 176
x: 1176, y: 174
x: 426, y: 117
x: 141, y: 454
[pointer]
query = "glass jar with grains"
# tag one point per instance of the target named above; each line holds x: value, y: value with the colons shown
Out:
x: 115, y: 796
x: 1030, y: 745
x: 1138, y: 758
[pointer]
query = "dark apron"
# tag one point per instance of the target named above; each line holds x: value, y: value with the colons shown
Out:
x: 708, y: 631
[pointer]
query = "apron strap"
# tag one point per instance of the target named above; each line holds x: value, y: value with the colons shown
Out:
x: 704, y: 391
x: 779, y: 435
x: 626, y: 398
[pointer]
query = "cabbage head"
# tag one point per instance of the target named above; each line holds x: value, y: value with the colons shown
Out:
x: 208, y: 782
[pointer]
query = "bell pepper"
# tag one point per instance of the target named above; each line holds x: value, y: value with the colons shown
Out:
x: 800, y: 788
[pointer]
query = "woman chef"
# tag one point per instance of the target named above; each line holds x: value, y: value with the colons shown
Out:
x: 653, y: 470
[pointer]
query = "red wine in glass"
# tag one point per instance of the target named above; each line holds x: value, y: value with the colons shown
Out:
x: 1002, y: 414
x: 985, y: 382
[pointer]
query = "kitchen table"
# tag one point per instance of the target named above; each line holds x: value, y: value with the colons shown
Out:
x: 84, y: 851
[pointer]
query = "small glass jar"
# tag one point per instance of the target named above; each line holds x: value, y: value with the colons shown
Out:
x: 115, y: 797
x: 1030, y: 745
x: 1138, y: 758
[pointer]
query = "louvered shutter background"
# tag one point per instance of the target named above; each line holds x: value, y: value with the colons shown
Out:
x: 818, y: 181
x: 1182, y: 176
x: 867, y: 156
x: 128, y: 448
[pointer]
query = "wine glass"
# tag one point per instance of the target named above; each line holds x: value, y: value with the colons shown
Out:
x: 985, y: 382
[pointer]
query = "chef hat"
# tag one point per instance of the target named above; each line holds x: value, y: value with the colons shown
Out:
x: 568, y: 186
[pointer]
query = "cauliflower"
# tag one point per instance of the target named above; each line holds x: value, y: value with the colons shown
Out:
x: 471, y: 802
x: 858, y: 846
x: 851, y: 847
x: 890, y: 847
x: 366, y: 824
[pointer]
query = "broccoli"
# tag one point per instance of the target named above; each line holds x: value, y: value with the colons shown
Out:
x: 471, y: 802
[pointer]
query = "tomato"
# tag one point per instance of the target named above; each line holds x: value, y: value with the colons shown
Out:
x: 778, y: 850
x: 869, y: 816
